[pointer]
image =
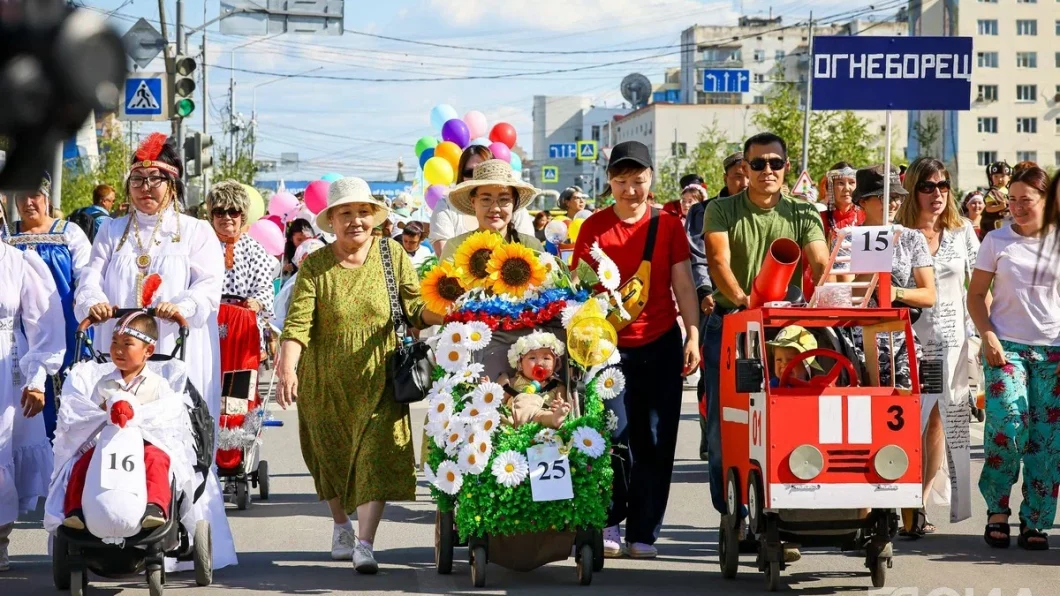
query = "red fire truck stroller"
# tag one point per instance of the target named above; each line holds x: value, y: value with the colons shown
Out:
x: 824, y: 461
x: 75, y: 552
x: 239, y: 463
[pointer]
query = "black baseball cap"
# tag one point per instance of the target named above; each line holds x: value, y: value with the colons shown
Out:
x: 691, y: 179
x: 631, y: 151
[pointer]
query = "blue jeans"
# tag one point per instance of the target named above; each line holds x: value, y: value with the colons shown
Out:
x: 712, y: 379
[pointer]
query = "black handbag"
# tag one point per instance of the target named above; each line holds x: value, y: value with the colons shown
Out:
x: 411, y: 363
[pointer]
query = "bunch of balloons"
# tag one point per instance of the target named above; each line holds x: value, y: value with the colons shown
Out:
x: 270, y: 230
x: 439, y: 156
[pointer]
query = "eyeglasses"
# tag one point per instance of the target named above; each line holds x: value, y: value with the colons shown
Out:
x: 231, y: 212
x: 775, y: 163
x: 1023, y: 203
x: 503, y: 202
x: 929, y: 187
x: 152, y: 181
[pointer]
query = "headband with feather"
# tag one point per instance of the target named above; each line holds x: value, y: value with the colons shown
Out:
x: 147, y: 295
x: 147, y: 155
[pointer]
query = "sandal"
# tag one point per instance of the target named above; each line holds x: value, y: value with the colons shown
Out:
x: 997, y: 528
x: 1032, y: 539
x: 915, y: 524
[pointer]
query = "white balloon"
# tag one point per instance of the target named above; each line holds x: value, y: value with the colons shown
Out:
x: 583, y: 214
x: 556, y: 231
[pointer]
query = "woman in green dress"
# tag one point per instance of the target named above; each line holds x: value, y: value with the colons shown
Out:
x: 337, y: 339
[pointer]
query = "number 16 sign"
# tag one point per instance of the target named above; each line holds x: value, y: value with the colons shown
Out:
x: 549, y: 473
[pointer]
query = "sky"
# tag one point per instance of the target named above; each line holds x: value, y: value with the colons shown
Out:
x: 362, y: 127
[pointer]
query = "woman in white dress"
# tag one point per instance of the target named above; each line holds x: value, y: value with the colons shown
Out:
x: 27, y: 296
x: 156, y: 238
x: 942, y: 330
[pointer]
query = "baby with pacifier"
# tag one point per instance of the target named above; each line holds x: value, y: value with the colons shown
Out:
x: 535, y: 393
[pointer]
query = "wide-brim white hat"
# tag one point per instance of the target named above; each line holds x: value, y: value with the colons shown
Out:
x: 351, y: 190
x: 493, y: 172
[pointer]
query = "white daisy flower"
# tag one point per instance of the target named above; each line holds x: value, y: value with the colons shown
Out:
x: 546, y: 435
x: 449, y: 479
x: 454, y: 333
x: 455, y: 434
x: 568, y: 313
x: 452, y: 357
x: 622, y: 312
x: 471, y: 461
x: 487, y: 396
x: 610, y: 383
x: 609, y: 275
x: 470, y: 373
x: 598, y: 253
x: 482, y: 443
x: 479, y: 335
x: 428, y: 473
x: 487, y: 422
x: 441, y: 405
x: 472, y: 411
x: 510, y: 468
x: 611, y: 420
x: 443, y: 385
x: 587, y: 440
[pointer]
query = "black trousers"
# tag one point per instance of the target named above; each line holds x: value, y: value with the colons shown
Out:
x: 644, y: 443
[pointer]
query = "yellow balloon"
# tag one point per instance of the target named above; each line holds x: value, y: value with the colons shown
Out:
x: 438, y: 170
x: 591, y: 341
x: 573, y: 228
x: 256, y: 208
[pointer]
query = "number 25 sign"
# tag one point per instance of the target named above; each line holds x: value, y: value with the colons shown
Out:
x: 871, y: 249
x: 549, y: 473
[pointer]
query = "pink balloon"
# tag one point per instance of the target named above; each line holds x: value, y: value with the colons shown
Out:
x: 276, y: 219
x: 501, y: 151
x: 476, y: 123
x: 282, y: 204
x: 316, y: 196
x: 434, y: 193
x: 268, y: 235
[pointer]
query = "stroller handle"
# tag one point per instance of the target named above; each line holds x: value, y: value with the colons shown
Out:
x: 121, y: 312
x: 82, y: 340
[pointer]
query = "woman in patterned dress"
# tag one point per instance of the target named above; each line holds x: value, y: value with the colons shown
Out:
x: 64, y: 248
x: 337, y: 338
x: 248, y: 268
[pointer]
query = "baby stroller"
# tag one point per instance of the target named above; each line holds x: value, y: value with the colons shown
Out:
x: 239, y: 464
x: 75, y: 552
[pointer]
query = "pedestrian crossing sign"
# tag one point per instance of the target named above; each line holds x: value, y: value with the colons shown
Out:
x: 145, y: 98
x: 587, y: 151
x: 803, y: 186
x: 550, y: 174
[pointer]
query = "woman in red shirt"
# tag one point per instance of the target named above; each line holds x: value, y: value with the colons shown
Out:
x: 650, y: 248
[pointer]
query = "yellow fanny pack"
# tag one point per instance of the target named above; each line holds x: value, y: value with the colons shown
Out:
x: 634, y: 292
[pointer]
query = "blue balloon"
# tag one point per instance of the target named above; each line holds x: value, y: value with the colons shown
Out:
x: 427, y: 154
x: 483, y: 141
x: 331, y: 177
x: 517, y: 163
x: 441, y: 114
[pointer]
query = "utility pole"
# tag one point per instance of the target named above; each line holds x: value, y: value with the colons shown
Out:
x: 56, y: 196
x: 205, y: 105
x: 809, y: 99
x: 178, y: 123
x: 232, y: 107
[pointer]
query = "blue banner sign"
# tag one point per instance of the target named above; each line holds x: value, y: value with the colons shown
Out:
x: 892, y: 73
x: 563, y: 150
x: 726, y: 80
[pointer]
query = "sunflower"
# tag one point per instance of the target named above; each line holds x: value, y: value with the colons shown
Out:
x: 513, y: 269
x: 441, y: 287
x: 474, y: 254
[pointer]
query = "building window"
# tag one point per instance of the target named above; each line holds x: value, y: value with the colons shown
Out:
x: 987, y: 93
x: 1026, y: 59
x: 760, y: 78
x: 1058, y: 59
x: 1027, y: 125
x: 1027, y: 93
x: 987, y: 1
x: 1058, y: 26
x: 1056, y: 159
x: 780, y: 53
x: 1026, y: 1
x: 987, y: 26
x: 1058, y: 126
x: 986, y: 158
x: 760, y: 55
x: 988, y: 125
x: 987, y: 59
x: 761, y: 99
x: 1026, y: 156
x: 1026, y: 27
x: 679, y: 149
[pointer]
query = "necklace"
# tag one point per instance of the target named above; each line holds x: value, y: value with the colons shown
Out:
x: 143, y: 257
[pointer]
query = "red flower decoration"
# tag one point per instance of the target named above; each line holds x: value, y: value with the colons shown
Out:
x: 121, y: 413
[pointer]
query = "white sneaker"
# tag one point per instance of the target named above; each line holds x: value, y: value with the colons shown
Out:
x: 639, y: 550
x: 342, y: 543
x: 612, y: 542
x: 363, y: 559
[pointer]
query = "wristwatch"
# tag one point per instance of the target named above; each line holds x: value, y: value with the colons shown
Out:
x: 900, y: 295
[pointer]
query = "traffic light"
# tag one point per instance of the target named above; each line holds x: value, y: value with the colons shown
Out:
x: 197, y: 157
x: 183, y: 86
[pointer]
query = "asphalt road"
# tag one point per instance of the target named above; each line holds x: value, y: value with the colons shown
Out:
x: 284, y: 546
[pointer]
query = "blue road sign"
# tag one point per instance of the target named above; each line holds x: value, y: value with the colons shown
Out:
x: 143, y: 96
x: 726, y: 80
x: 563, y: 151
x: 587, y: 151
x: 892, y: 73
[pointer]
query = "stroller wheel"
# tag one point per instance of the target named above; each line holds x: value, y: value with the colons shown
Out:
x: 242, y: 496
x: 585, y: 565
x: 203, y: 554
x: 155, y: 582
x: 60, y: 562
x: 478, y: 566
x: 444, y: 537
x: 263, y: 480
x: 78, y: 582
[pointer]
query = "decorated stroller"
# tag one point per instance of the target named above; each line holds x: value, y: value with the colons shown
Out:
x: 521, y: 494
x: 242, y: 418
x: 75, y: 552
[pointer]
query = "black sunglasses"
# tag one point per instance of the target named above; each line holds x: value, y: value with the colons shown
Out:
x: 230, y: 212
x: 775, y: 163
x: 929, y: 187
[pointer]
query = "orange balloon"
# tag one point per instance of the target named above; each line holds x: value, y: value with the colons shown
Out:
x: 448, y: 151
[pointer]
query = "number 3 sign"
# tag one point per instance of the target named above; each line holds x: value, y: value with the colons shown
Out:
x: 549, y: 474
x: 122, y: 463
x: 871, y: 249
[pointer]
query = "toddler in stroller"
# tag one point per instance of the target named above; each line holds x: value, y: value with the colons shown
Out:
x: 131, y: 438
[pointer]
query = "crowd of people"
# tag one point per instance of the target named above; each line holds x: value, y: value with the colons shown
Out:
x: 981, y: 269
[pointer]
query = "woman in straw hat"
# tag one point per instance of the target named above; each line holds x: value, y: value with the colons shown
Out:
x: 337, y: 338
x: 492, y: 196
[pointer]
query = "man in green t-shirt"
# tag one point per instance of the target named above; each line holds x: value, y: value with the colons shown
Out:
x: 738, y: 231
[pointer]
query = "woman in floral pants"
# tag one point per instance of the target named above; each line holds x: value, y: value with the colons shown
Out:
x: 1021, y: 346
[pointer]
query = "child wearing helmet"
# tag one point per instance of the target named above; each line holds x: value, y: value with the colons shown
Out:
x: 789, y: 343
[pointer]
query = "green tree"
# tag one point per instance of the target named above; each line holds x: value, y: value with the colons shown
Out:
x: 834, y: 135
x: 81, y: 176
x: 238, y: 166
x: 704, y: 159
x: 926, y: 132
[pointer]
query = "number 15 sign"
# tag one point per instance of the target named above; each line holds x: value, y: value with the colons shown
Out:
x: 871, y: 249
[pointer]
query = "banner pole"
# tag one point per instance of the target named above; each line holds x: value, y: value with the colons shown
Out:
x: 887, y: 174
